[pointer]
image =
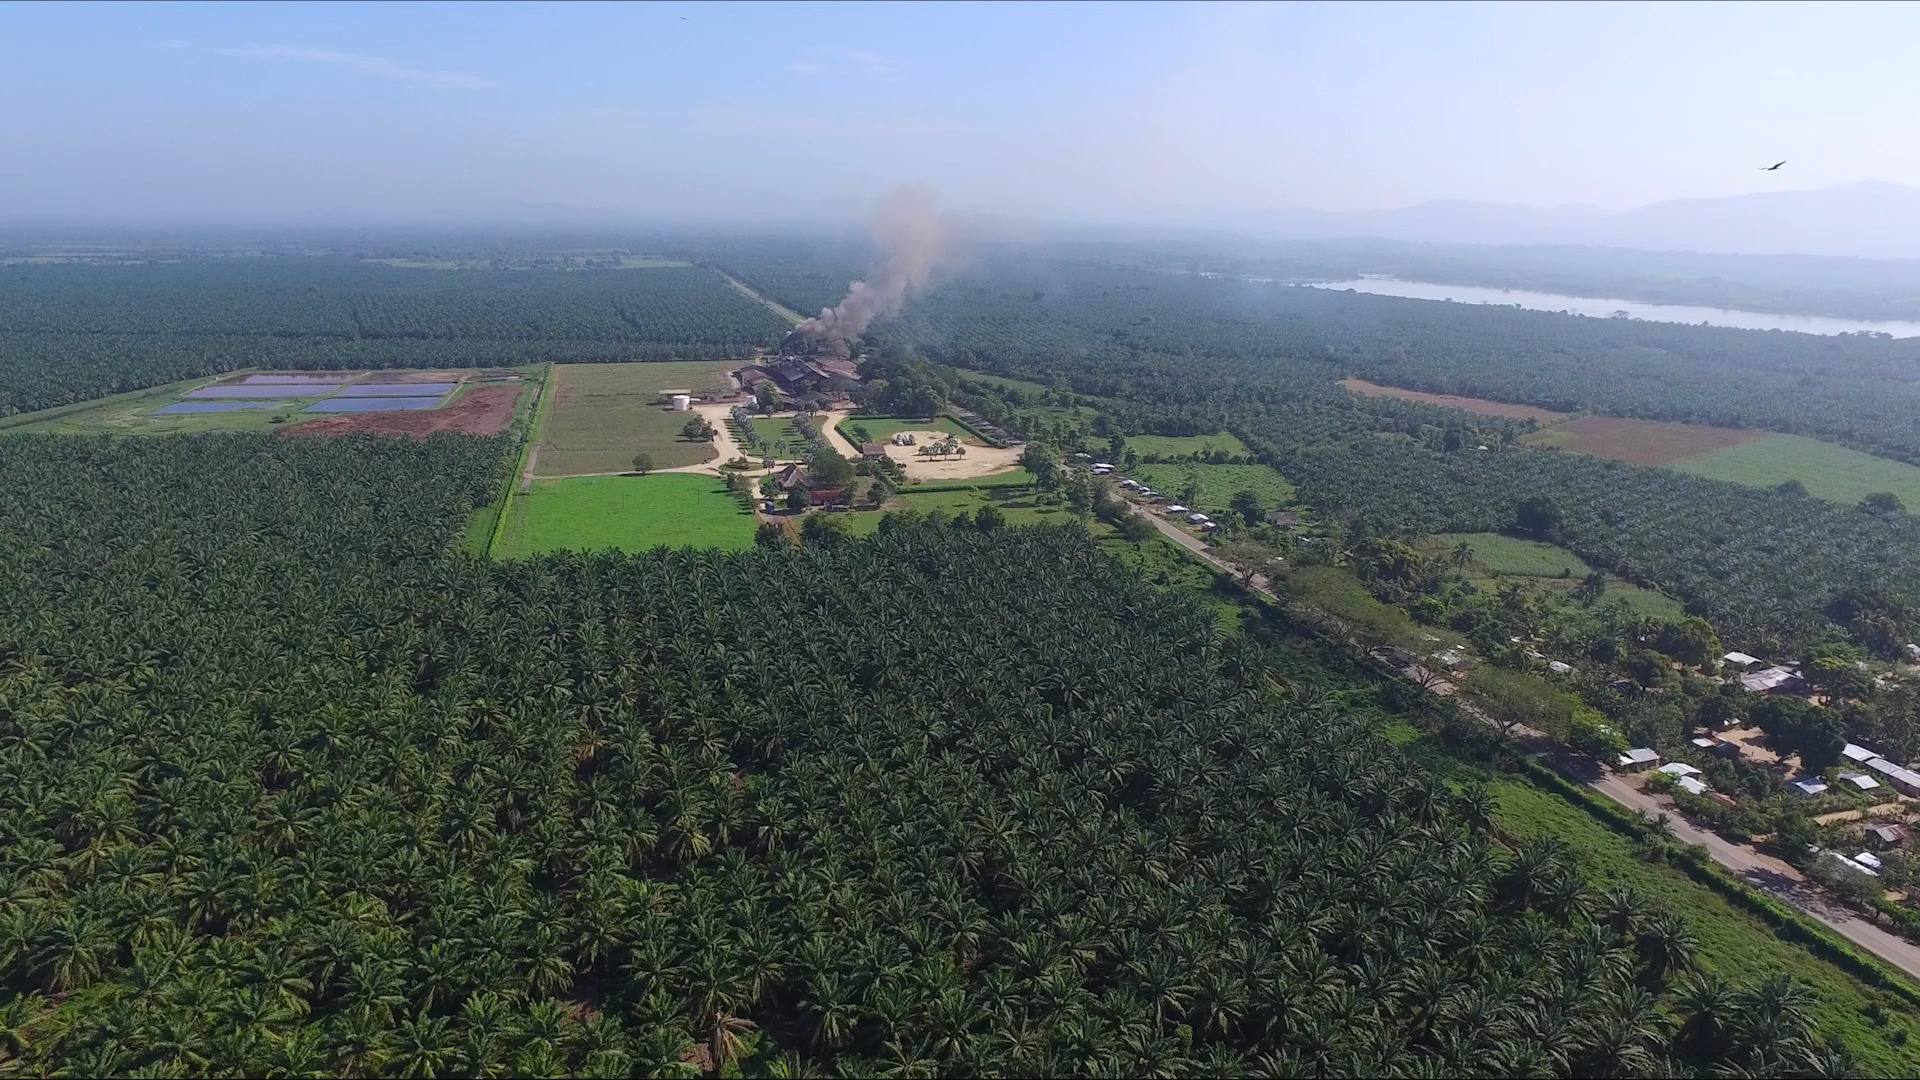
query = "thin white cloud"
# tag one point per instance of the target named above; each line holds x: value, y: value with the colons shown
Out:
x: 435, y: 80
x: 849, y: 61
x: 853, y: 126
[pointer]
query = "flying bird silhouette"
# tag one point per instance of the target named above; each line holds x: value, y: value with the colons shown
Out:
x: 1770, y: 168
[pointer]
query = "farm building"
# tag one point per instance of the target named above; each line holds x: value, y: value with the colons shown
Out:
x: 1888, y: 834
x: 1905, y: 781
x: 1679, y: 768
x: 1808, y: 787
x: 1860, y: 754
x: 1741, y: 660
x: 872, y: 450
x: 1690, y: 785
x: 793, y: 476
x: 1774, y: 680
x: 1639, y: 757
x: 1859, y: 780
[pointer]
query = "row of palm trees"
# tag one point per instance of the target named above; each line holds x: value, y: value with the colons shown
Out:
x: 295, y: 788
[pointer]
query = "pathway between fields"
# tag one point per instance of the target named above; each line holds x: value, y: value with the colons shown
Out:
x: 1763, y: 872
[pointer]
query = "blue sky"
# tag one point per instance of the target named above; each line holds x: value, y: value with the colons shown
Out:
x: 1136, y: 112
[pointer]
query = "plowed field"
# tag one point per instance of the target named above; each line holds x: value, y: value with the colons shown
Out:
x: 1640, y: 442
x: 485, y: 411
x: 1452, y: 401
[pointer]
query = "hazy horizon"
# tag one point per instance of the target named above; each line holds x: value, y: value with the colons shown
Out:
x: 803, y: 114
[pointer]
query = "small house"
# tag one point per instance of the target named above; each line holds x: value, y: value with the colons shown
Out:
x: 1639, y: 757
x: 1741, y: 660
x: 1859, y: 780
x: 1176, y: 508
x: 1679, y: 768
x: 827, y: 496
x: 1868, y: 859
x: 793, y: 476
x: 1198, y: 519
x: 1905, y: 781
x: 1774, y: 680
x: 1888, y: 834
x: 1691, y: 785
x: 1808, y: 787
x: 872, y: 451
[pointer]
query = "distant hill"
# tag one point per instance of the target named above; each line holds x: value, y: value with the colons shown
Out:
x: 1870, y: 219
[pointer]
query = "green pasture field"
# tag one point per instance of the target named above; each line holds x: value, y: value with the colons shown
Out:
x: 1015, y: 500
x: 778, y: 430
x: 1218, y: 484
x: 1014, y: 477
x: 1005, y: 383
x: 882, y: 428
x: 1733, y: 943
x: 626, y: 513
x: 1183, y: 445
x: 603, y: 414
x: 1551, y: 567
x: 1828, y: 471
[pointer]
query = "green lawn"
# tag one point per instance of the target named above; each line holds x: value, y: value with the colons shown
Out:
x: 1828, y: 471
x: 882, y: 428
x: 1553, y: 568
x: 628, y: 513
x: 1182, y: 445
x: 777, y: 430
x: 603, y: 414
x: 1218, y: 484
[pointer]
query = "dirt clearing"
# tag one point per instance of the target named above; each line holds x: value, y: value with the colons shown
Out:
x: 1640, y: 442
x: 1466, y: 404
x: 483, y: 411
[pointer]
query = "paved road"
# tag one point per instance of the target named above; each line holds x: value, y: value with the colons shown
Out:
x: 1763, y: 872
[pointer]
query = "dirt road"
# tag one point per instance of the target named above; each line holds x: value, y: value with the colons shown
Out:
x: 723, y: 441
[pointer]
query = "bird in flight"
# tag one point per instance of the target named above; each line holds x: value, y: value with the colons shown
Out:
x: 1770, y: 168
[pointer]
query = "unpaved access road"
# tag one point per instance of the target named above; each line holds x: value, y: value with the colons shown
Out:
x: 1763, y: 872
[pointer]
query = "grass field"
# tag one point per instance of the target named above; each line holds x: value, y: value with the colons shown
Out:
x: 1551, y: 567
x: 778, y: 430
x: 882, y: 428
x: 603, y: 414
x: 1639, y: 442
x: 1451, y: 401
x: 1182, y: 445
x: 627, y: 513
x: 1218, y: 484
x: 1828, y: 471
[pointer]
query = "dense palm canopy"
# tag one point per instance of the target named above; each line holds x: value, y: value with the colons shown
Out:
x: 71, y: 333
x: 292, y: 788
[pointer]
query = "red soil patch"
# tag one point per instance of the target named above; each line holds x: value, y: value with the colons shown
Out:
x: 1466, y: 404
x: 1641, y: 442
x: 485, y: 411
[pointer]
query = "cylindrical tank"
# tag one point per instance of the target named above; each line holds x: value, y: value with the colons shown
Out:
x: 682, y: 402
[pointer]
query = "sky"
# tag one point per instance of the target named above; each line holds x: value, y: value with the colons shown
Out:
x: 1138, y: 113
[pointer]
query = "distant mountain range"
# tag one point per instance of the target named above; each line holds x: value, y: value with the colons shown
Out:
x: 1869, y: 219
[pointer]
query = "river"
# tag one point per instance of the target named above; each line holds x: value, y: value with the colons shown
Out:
x: 1601, y: 307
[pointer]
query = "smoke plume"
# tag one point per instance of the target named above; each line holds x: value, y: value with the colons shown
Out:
x: 912, y: 239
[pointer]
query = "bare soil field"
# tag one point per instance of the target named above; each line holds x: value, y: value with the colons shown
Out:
x: 1640, y: 442
x: 484, y: 411
x: 1466, y: 404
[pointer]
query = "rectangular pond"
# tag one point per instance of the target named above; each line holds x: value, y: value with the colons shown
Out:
x: 245, y: 391
x: 180, y: 407
x: 322, y: 381
x: 367, y: 404
x: 418, y: 389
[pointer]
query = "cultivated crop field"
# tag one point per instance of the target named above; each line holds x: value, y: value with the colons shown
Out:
x: 625, y: 513
x: 1453, y: 401
x: 1639, y: 442
x: 1828, y: 471
x: 603, y: 414
x: 1217, y: 484
x: 1183, y: 445
x: 1553, y: 568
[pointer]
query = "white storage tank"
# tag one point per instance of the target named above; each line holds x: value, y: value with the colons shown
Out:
x: 682, y: 402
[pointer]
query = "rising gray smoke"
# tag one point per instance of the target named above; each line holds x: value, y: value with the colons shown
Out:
x: 912, y: 239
